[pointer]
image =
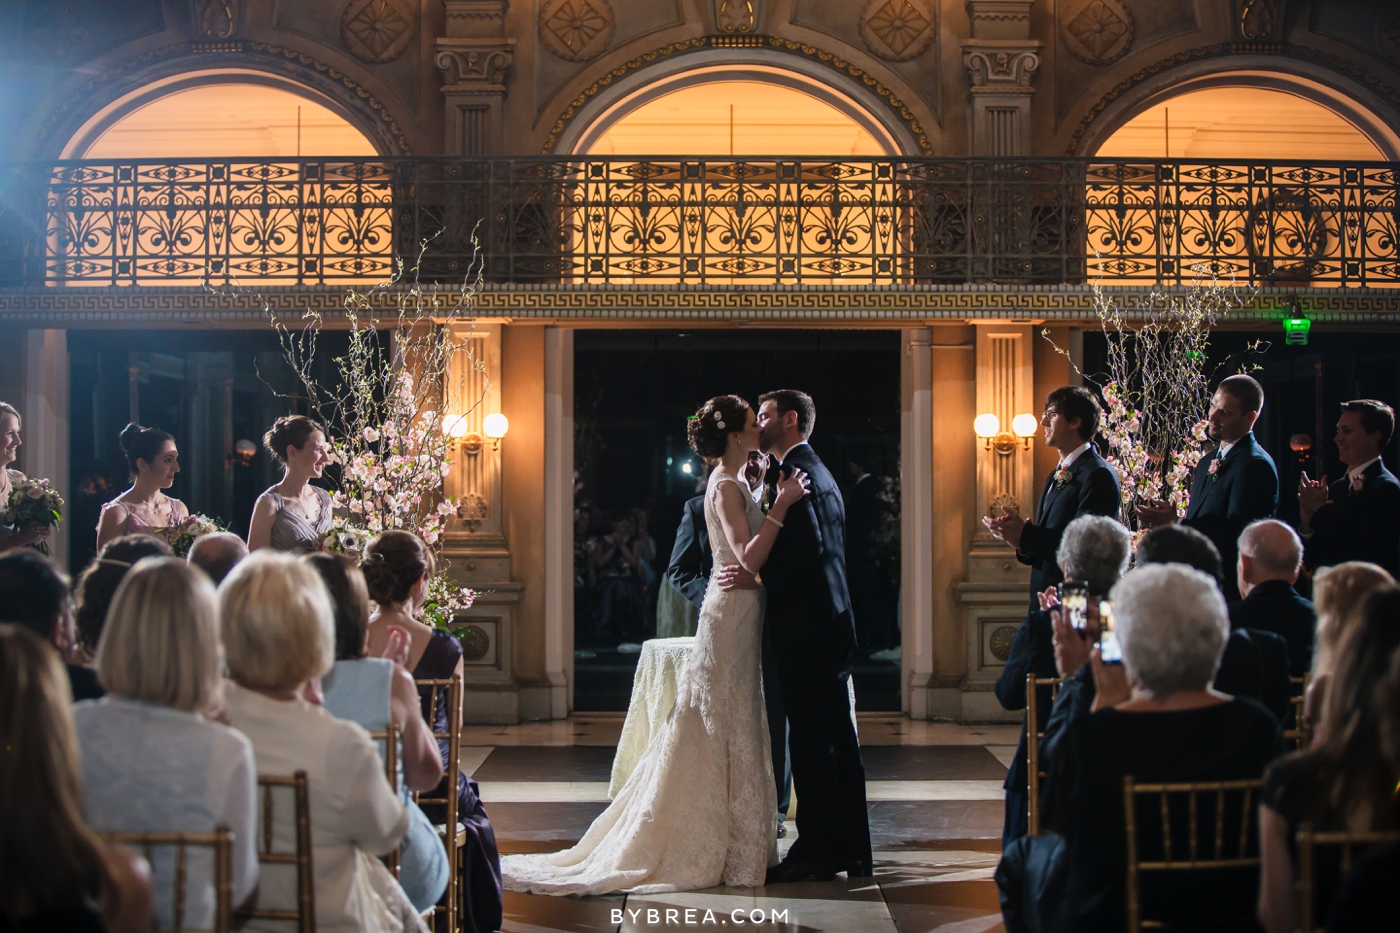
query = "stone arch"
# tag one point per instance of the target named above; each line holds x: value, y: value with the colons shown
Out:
x: 1330, y: 85
x: 831, y: 79
x: 104, y: 99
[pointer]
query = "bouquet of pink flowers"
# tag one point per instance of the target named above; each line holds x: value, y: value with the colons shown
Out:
x: 182, y: 536
x: 33, y: 502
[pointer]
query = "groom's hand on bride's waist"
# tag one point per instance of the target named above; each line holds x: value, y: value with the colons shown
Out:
x: 735, y: 577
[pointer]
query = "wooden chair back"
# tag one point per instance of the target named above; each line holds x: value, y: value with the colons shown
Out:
x: 1220, y: 847
x: 390, y: 757
x: 220, y: 841
x: 452, y: 838
x: 305, y: 913
x: 1308, y: 844
x: 1033, y: 737
x: 1301, y: 732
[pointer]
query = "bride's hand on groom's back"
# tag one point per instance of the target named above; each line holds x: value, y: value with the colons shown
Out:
x: 791, y: 488
x: 735, y: 577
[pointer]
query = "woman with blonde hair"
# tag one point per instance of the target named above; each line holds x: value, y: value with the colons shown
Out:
x: 279, y: 636
x: 1338, y: 591
x: 9, y: 452
x: 55, y: 874
x: 152, y: 761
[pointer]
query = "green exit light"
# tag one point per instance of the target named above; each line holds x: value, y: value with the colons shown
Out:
x: 1296, y: 331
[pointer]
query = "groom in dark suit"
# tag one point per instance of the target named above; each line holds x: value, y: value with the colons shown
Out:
x: 1081, y: 484
x: 811, y: 632
x: 1358, y: 516
x: 1234, y: 485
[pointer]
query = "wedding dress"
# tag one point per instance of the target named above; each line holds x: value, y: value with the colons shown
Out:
x: 700, y: 808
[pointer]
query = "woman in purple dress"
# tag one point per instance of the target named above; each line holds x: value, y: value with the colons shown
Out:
x: 397, y: 569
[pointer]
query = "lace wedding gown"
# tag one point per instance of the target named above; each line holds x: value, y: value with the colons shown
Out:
x: 700, y: 808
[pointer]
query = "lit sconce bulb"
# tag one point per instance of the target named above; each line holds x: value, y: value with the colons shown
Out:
x: 454, y: 425
x: 495, y: 426
x: 1024, y: 425
x: 986, y: 425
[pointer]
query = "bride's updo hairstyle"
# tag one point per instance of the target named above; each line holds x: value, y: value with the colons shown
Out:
x: 289, y: 431
x: 708, y: 432
x: 140, y: 443
x: 394, y: 561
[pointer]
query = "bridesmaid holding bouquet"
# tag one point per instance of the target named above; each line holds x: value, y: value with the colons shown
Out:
x: 144, y: 509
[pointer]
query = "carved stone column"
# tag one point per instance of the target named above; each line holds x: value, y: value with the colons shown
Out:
x: 475, y: 543
x: 1000, y: 59
x: 474, y: 57
x: 995, y: 595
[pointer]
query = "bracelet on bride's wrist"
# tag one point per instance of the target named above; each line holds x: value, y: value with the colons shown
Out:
x: 770, y: 518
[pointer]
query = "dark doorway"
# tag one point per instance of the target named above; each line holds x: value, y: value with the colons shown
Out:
x: 633, y: 392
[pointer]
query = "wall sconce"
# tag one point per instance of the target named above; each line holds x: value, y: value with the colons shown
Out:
x: 1300, y: 444
x: 988, y: 427
x: 495, y: 427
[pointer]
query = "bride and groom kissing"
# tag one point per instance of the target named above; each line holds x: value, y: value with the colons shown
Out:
x: 700, y: 808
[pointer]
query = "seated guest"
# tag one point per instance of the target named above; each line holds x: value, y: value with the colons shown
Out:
x: 374, y: 692
x: 1156, y: 718
x: 1365, y: 898
x: 279, y: 636
x: 1340, y: 591
x: 397, y: 569
x: 55, y: 874
x: 98, y: 584
x: 217, y: 554
x: 34, y: 594
x: 152, y: 762
x: 1093, y: 549
x: 1344, y: 782
x: 1271, y: 557
x: 1357, y: 518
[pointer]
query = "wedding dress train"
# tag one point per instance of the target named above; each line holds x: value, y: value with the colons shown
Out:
x: 700, y: 808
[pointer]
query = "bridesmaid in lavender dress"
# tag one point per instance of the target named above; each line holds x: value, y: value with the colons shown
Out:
x: 293, y: 515
x: 143, y: 509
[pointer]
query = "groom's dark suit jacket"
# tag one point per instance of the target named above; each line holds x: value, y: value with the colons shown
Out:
x: 1243, y: 489
x: 1359, y: 524
x: 1092, y: 489
x: 806, y: 570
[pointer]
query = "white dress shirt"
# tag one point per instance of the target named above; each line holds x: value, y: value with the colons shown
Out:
x: 1352, y: 474
x: 1073, y: 455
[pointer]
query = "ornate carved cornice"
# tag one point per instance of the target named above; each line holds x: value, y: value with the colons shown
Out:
x: 474, y: 65
x: 755, y: 306
x: 769, y: 42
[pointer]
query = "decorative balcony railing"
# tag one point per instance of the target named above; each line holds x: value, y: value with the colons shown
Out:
x: 700, y: 221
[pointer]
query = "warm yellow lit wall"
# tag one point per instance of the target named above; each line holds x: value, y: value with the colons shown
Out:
x: 229, y: 120
x: 522, y: 477
x: 765, y: 119
x: 954, y: 493
x: 1051, y: 372
x: 1239, y: 123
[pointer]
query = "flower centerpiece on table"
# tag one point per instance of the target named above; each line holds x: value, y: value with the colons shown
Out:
x: 404, y: 363
x: 33, y: 502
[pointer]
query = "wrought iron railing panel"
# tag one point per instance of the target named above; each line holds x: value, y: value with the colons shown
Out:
x: 700, y: 221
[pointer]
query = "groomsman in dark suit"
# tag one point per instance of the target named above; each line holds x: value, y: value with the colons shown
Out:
x: 1082, y: 484
x: 1235, y: 484
x: 1358, y: 516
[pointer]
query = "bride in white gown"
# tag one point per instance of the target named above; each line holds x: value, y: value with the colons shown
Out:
x: 700, y: 808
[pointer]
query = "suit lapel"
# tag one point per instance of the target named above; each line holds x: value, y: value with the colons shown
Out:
x: 1044, y: 508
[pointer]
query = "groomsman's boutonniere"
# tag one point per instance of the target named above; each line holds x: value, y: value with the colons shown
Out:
x: 1062, y: 477
x: 1214, y: 468
x: 1358, y: 482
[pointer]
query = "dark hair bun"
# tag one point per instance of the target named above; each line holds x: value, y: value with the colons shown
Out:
x: 708, y: 431
x: 140, y: 443
x: 289, y: 431
x: 393, y: 563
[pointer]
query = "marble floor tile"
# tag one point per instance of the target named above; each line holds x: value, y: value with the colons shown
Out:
x: 548, y: 763
x: 931, y: 763
x: 590, y: 791
x: 1003, y: 753
x: 538, y: 913
x: 587, y: 729
x: 891, y: 729
x: 472, y: 757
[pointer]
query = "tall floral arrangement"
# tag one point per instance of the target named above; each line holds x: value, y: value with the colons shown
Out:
x: 384, y: 409
x: 1156, y: 389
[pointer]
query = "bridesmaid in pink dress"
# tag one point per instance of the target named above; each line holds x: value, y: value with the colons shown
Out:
x: 144, y: 509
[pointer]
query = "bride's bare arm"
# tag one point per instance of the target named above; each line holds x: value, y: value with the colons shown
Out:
x: 752, y: 549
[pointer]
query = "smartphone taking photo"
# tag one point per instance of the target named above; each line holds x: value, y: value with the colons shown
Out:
x: 1110, y: 650
x: 1074, y: 603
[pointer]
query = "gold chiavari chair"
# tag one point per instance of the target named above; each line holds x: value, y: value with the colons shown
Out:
x: 453, y: 838
x: 220, y: 841
x: 1033, y: 737
x: 390, y: 756
x: 1218, y: 850
x: 305, y: 913
x: 1301, y: 733
x: 1308, y: 844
